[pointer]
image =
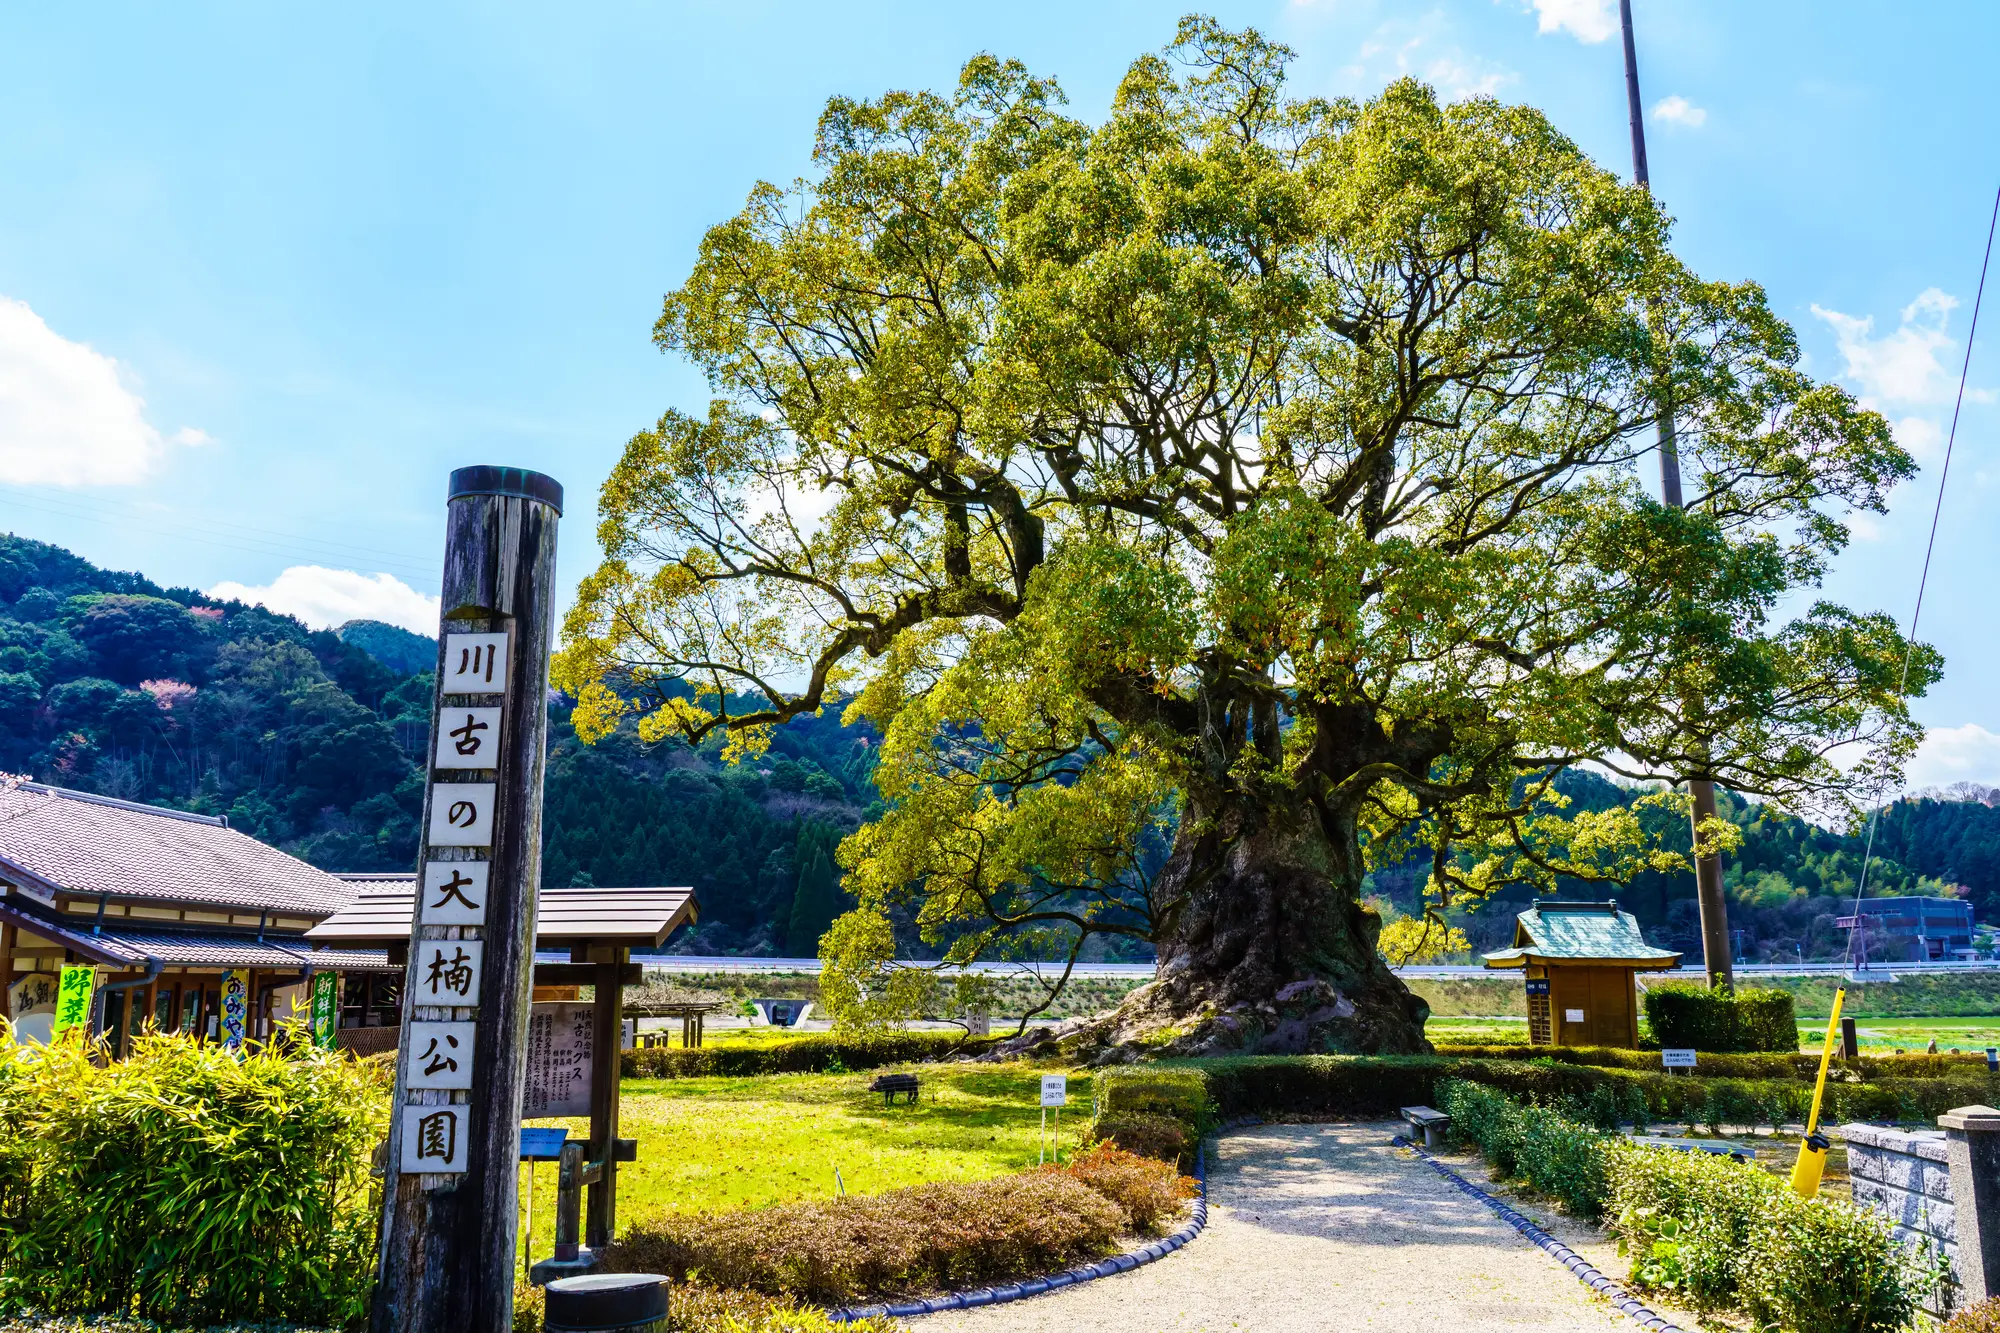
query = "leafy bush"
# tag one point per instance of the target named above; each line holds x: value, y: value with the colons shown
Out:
x: 1719, y: 1234
x: 1683, y: 1014
x: 861, y: 1247
x: 1981, y: 1318
x: 1161, y: 1137
x: 1551, y: 1153
x: 817, y: 1054
x: 189, y: 1185
x: 1687, y: 1219
x: 1819, y: 1267
x: 1150, y: 1191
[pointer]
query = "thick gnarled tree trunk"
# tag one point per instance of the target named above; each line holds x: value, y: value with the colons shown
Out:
x: 1270, y: 951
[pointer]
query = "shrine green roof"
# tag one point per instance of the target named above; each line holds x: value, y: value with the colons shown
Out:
x: 1580, y: 932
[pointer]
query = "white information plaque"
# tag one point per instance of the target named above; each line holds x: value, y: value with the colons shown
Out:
x: 435, y: 1138
x: 467, y: 738
x: 441, y: 1054
x: 448, y: 972
x: 560, y: 1037
x: 475, y: 664
x: 462, y: 814
x: 454, y: 893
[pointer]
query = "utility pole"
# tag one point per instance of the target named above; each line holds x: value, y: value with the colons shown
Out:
x: 1715, y: 948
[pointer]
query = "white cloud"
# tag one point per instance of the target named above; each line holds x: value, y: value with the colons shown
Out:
x: 1458, y: 77
x: 324, y: 598
x: 1898, y: 367
x: 67, y: 417
x: 1586, y: 20
x: 1969, y: 753
x: 1680, y: 111
x: 1922, y: 436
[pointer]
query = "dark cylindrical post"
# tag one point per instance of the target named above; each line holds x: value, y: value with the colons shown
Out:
x: 446, y: 1261
x: 607, y: 1057
x: 1850, y: 1040
x: 607, y: 1303
x: 569, y: 1201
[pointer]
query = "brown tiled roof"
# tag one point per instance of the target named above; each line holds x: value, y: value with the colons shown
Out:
x: 636, y: 918
x: 52, y: 838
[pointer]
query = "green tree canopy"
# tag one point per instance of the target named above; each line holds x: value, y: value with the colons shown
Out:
x: 1256, y: 472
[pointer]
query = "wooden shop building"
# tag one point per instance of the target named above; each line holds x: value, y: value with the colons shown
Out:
x: 1581, y: 961
x: 171, y: 908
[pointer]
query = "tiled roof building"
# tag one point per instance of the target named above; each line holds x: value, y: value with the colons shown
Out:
x: 165, y: 903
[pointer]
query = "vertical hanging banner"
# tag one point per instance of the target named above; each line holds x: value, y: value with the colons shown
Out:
x: 446, y: 1263
x: 73, y: 993
x: 325, y: 1010
x: 235, y: 1009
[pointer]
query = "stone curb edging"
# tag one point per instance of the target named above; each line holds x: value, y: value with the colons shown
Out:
x: 1621, y: 1300
x: 1036, y: 1286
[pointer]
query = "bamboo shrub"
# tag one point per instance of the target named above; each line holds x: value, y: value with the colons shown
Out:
x: 189, y: 1185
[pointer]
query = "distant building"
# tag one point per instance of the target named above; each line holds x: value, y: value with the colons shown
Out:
x: 1917, y: 929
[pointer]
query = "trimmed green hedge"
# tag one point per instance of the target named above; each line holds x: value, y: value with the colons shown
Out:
x: 1719, y: 1234
x: 1683, y: 1014
x: 1207, y: 1091
x: 1799, y: 1065
x: 818, y: 1054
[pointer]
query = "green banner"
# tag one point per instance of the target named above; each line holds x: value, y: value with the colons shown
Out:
x: 325, y: 1009
x: 73, y: 999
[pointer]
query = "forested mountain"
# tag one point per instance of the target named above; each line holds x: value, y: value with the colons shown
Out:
x: 313, y: 740
x: 113, y: 684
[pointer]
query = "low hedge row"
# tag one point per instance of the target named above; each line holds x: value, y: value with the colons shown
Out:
x: 1201, y: 1093
x: 1796, y: 1065
x: 816, y: 1054
x: 860, y: 1248
x: 1715, y: 1233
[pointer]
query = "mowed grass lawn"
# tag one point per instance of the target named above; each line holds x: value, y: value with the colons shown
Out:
x: 710, y: 1143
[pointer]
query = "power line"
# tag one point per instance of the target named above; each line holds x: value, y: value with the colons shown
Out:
x: 222, y: 534
x: 1930, y: 545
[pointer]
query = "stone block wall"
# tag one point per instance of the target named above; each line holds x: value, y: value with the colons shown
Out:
x: 1905, y: 1176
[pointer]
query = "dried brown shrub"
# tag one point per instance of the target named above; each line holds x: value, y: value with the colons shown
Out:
x: 1151, y: 1192
x: 922, y: 1238
x: 1981, y: 1318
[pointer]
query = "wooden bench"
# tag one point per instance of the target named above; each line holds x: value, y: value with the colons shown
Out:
x: 892, y: 1086
x: 1431, y: 1121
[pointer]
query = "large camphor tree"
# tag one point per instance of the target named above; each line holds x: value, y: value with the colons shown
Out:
x: 1209, y: 503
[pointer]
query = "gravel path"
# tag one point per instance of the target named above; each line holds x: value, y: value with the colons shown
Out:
x: 1322, y: 1229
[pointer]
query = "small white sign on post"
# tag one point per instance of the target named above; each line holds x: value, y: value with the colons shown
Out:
x: 1572, y: 1015
x: 1676, y: 1058
x: 1055, y: 1096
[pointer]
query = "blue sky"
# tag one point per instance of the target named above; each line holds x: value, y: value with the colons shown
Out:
x: 267, y: 273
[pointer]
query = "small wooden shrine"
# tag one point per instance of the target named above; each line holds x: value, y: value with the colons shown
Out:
x: 1581, y: 961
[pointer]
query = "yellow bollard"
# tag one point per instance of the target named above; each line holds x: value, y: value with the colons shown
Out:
x: 1806, y: 1172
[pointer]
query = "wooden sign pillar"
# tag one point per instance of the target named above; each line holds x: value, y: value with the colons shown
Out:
x: 447, y: 1253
